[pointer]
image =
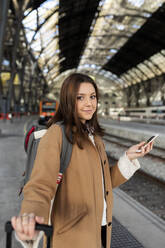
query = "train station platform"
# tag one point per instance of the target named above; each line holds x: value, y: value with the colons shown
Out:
x: 134, y: 226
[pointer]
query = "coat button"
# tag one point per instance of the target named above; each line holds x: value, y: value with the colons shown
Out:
x: 107, y: 192
x: 110, y: 223
x: 104, y: 162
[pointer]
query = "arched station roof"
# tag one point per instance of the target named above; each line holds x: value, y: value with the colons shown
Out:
x: 121, y: 40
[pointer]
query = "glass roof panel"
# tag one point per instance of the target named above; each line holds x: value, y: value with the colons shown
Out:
x: 147, y: 70
x: 117, y: 21
x: 135, y: 78
x: 39, y: 22
x: 155, y: 68
x: 159, y: 60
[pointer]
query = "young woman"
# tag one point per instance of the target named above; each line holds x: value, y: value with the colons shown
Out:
x: 82, y: 210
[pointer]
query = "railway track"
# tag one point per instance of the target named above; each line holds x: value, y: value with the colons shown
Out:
x: 143, y: 187
x: 147, y: 191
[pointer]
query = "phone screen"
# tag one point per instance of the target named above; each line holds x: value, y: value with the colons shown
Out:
x: 149, y: 140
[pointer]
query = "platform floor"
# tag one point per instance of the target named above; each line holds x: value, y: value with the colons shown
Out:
x: 121, y: 237
x: 147, y: 228
x: 133, y: 225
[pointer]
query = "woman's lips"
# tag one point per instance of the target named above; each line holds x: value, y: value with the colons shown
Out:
x: 87, y: 111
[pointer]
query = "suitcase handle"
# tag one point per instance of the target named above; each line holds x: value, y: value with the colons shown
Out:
x: 48, y: 230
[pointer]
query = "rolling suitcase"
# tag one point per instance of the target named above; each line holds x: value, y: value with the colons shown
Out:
x: 48, y: 230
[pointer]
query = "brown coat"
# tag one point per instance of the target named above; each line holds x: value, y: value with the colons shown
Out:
x: 78, y: 206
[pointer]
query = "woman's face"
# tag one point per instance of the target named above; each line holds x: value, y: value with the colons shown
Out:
x: 86, y: 101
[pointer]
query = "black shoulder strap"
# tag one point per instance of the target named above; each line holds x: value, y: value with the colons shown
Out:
x: 66, y: 150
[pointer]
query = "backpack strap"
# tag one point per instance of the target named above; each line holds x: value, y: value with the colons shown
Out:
x: 65, y: 156
x: 66, y: 152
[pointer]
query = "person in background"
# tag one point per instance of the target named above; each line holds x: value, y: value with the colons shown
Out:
x: 82, y: 210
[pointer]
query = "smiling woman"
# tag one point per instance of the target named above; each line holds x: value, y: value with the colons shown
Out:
x: 82, y: 211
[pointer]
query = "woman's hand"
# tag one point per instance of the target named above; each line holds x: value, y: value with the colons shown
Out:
x: 132, y: 151
x: 24, y: 226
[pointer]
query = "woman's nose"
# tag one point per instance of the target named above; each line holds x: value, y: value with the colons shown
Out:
x: 88, y: 101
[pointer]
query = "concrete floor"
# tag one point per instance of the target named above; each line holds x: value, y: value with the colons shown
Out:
x: 12, y: 162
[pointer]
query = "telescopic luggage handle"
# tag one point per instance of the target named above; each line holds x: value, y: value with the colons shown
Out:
x: 48, y: 230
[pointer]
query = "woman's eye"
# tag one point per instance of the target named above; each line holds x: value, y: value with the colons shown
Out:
x: 79, y: 97
x: 93, y: 96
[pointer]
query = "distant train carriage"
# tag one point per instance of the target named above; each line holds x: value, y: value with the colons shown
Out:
x: 141, y: 112
x: 146, y: 112
x: 47, y: 110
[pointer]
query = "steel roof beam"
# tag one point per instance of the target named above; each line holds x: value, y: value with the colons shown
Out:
x: 41, y: 25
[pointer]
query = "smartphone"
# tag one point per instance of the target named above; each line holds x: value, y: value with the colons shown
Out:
x: 152, y: 138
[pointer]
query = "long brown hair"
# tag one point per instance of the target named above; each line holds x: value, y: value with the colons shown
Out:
x: 67, y: 111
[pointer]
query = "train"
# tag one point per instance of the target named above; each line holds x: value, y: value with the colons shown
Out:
x: 152, y: 112
x: 47, y: 109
